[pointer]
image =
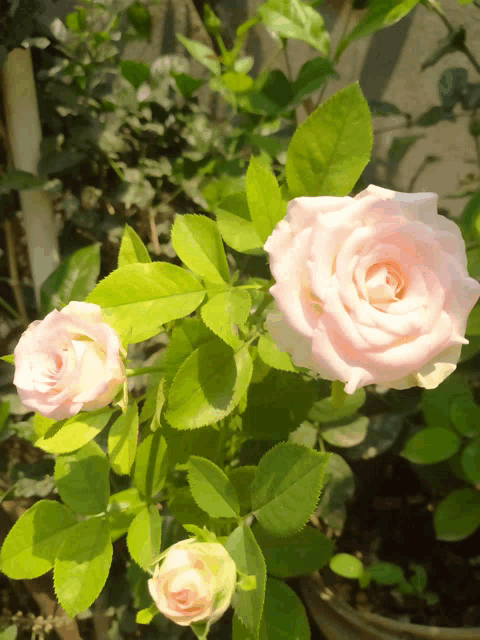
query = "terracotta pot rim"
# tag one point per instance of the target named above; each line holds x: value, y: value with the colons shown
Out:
x: 373, y: 624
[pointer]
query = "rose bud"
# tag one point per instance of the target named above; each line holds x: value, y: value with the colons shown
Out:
x: 68, y: 362
x: 372, y: 289
x: 194, y: 582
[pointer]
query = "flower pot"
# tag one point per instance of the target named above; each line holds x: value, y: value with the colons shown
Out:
x: 339, y: 621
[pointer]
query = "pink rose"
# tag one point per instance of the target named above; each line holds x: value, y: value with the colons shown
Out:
x: 371, y: 289
x: 68, y: 362
x: 194, y: 582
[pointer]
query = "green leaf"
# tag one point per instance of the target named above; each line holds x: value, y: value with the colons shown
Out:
x: 383, y: 430
x: 277, y: 405
x: 338, y: 490
x: 386, y: 573
x: 471, y: 461
x: 209, y: 385
x: 73, y: 279
x: 82, y: 479
x: 31, y: 545
x: 123, y: 506
x: 473, y: 323
x: 271, y: 354
x: 145, y: 536
x: 139, y: 298
x: 187, y: 85
x: 329, y: 151
x: 135, y: 72
x: 235, y: 224
x: 72, y: 434
x: 237, y: 81
x: 431, y: 445
x: 298, y: 554
x: 381, y: 14
x: 245, y: 552
x: 458, y: 515
x: 151, y: 465
x: 122, y: 440
x: 10, y: 359
x: 286, y: 488
x: 225, y: 313
x: 264, y: 198
x: 348, y: 433
x: 82, y: 565
x: 202, y: 53
x: 294, y: 19
x: 185, y: 338
x: 145, y: 616
x: 132, y: 249
x: 241, y: 479
x: 10, y: 633
x: 346, y: 565
x: 198, y: 244
x: 470, y: 218
x: 211, y: 489
x: 465, y: 415
x: 185, y: 510
x: 436, y: 403
x: 16, y: 180
x: 313, y: 74
x: 139, y: 17
x: 325, y: 411
x: 284, y: 616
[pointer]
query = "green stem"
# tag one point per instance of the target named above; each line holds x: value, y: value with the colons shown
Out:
x: 140, y: 371
x: 287, y: 61
x: 338, y: 393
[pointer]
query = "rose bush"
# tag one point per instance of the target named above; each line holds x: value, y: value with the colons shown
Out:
x: 194, y: 582
x: 371, y: 289
x: 69, y: 361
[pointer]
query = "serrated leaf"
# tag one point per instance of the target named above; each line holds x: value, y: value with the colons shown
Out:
x: 329, y: 151
x: 339, y: 488
x: 151, y: 465
x: 235, y: 224
x: 82, y: 479
x: 123, y: 506
x: 185, y: 510
x: 294, y: 19
x: 241, y: 479
x: 298, y: 554
x: 122, y: 440
x: 431, y: 445
x: 264, y: 198
x: 225, y: 312
x: 198, y: 244
x: 73, y: 279
x: 381, y: 14
x: 271, y: 354
x: 211, y: 489
x: 41, y: 424
x: 209, y: 385
x: 145, y: 536
x: 245, y: 552
x: 132, y: 249
x: 458, y: 515
x: 10, y: 359
x: 145, y: 616
x: 184, y: 340
x: 82, y: 565
x: 31, y: 545
x: 64, y: 437
x: 139, y: 298
x: 286, y: 487
x: 202, y: 53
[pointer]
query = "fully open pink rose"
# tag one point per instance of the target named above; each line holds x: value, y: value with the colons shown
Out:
x: 194, y: 582
x: 371, y: 289
x: 68, y: 361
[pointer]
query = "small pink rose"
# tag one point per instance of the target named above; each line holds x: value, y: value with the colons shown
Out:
x: 371, y: 289
x: 194, y: 582
x: 68, y: 362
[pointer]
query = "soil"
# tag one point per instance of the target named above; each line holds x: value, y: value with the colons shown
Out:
x: 391, y: 520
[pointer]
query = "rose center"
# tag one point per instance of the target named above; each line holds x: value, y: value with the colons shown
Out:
x: 184, y: 596
x: 384, y: 282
